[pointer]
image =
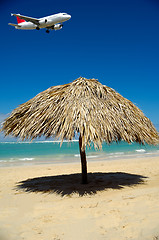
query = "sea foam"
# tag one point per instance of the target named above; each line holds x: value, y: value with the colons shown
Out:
x: 26, y: 159
x: 140, y: 150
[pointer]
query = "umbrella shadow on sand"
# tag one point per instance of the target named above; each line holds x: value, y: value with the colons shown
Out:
x: 69, y: 184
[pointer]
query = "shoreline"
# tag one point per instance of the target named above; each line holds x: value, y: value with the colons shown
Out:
x: 92, y: 166
x: 71, y: 160
x: 51, y: 153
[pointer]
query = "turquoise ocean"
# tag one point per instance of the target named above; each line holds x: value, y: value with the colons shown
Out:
x: 41, y: 152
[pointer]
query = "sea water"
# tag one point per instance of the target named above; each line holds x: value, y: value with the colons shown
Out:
x: 41, y: 152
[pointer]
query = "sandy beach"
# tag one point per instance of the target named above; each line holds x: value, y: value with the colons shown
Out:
x: 48, y: 202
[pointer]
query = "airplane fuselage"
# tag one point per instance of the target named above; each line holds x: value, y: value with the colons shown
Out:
x: 45, y: 22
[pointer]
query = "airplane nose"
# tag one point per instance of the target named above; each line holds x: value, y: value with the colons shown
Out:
x: 69, y: 16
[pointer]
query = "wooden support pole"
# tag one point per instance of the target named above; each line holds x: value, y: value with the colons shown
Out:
x: 83, y: 161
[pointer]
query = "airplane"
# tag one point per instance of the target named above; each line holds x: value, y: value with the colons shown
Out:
x: 52, y: 22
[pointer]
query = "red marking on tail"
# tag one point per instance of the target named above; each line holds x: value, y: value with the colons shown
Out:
x: 19, y: 20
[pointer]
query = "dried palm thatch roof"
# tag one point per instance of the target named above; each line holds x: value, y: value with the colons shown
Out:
x: 84, y: 106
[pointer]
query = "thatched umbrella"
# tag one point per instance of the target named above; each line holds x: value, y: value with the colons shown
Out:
x: 85, y: 107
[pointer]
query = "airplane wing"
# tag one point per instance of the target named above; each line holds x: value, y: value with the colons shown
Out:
x: 28, y: 19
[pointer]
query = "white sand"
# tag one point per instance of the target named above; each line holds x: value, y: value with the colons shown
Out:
x: 130, y: 212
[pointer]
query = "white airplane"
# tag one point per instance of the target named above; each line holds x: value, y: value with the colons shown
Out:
x: 50, y: 22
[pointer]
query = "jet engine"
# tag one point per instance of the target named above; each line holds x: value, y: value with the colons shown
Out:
x: 58, y: 26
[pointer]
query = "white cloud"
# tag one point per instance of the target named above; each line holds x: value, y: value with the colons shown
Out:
x: 2, y: 138
x: 2, y: 117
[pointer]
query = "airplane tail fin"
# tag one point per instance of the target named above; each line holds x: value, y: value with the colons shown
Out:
x: 19, y: 20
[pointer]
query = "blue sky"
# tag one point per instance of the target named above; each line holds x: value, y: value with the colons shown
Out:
x: 115, y: 41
